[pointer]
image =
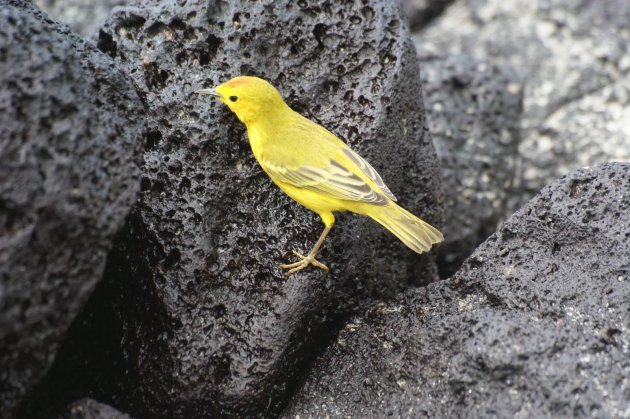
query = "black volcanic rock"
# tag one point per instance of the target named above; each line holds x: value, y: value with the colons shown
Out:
x: 535, y: 324
x: 474, y: 114
x: 84, y: 16
x: 572, y: 56
x: 210, y: 324
x: 70, y: 137
x: 91, y: 409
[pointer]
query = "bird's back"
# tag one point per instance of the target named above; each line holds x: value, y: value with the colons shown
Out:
x: 300, y: 142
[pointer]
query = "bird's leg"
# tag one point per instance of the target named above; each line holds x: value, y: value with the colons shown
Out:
x: 310, y: 259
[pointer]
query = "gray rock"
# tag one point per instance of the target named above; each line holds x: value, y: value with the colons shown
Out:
x: 421, y: 12
x: 535, y: 324
x: 573, y: 56
x: 83, y: 16
x: 92, y: 409
x: 473, y: 111
x: 70, y: 137
x: 211, y: 325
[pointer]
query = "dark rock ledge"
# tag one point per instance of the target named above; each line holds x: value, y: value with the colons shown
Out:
x: 70, y: 139
x: 535, y: 324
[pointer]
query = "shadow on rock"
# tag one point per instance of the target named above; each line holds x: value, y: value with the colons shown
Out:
x: 70, y: 140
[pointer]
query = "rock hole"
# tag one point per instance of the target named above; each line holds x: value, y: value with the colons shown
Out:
x: 145, y: 184
x: 577, y: 188
x: 181, y: 57
x: 213, y: 44
x: 219, y: 311
x: 173, y: 257
x: 330, y: 86
x: 367, y: 12
x: 158, y: 186
x: 131, y: 20
x: 106, y: 44
x: 156, y: 28
x: 184, y: 184
x: 236, y: 20
x: 319, y: 32
x: 204, y: 58
x: 177, y: 24
x: 154, y: 76
x: 175, y: 323
x: 153, y: 138
x: 555, y: 248
x: 297, y: 48
x: 221, y: 370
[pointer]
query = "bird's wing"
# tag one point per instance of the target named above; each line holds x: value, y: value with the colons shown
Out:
x: 333, y: 180
x: 369, y: 171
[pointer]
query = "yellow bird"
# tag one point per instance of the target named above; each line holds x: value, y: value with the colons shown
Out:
x: 315, y: 168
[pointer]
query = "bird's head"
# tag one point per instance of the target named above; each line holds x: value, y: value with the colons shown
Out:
x: 250, y: 98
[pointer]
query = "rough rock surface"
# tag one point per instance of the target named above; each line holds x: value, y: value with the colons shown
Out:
x: 535, y: 324
x: 91, y: 409
x: 473, y: 112
x: 70, y: 135
x: 421, y: 12
x: 84, y: 16
x: 572, y: 54
x: 210, y: 324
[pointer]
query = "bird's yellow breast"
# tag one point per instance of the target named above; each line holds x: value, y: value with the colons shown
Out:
x: 257, y: 137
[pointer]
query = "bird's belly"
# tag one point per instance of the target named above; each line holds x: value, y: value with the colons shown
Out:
x: 315, y: 201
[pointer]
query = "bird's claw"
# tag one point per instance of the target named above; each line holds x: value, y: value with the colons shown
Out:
x: 303, y: 263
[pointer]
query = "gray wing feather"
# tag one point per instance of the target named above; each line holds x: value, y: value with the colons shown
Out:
x: 334, y: 180
x: 369, y: 172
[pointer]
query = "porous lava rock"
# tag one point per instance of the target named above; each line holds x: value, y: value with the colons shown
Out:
x: 572, y: 56
x: 92, y: 409
x: 84, y: 16
x: 535, y: 324
x: 209, y: 325
x: 474, y: 113
x: 70, y: 142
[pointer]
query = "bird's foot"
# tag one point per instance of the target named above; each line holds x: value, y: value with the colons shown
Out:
x: 303, y: 263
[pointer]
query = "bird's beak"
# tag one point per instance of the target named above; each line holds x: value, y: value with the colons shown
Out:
x: 210, y: 92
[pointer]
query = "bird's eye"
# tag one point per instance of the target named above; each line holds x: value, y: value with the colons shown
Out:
x: 233, y: 98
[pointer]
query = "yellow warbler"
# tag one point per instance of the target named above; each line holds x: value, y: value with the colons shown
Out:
x: 315, y: 168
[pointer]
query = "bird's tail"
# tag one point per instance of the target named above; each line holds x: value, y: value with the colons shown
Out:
x: 411, y: 230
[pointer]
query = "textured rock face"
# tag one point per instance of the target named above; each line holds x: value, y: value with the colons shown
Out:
x: 473, y: 112
x: 535, y: 324
x: 91, y: 409
x: 84, y: 16
x: 210, y: 325
x: 195, y: 319
x: 572, y: 55
x: 70, y: 132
